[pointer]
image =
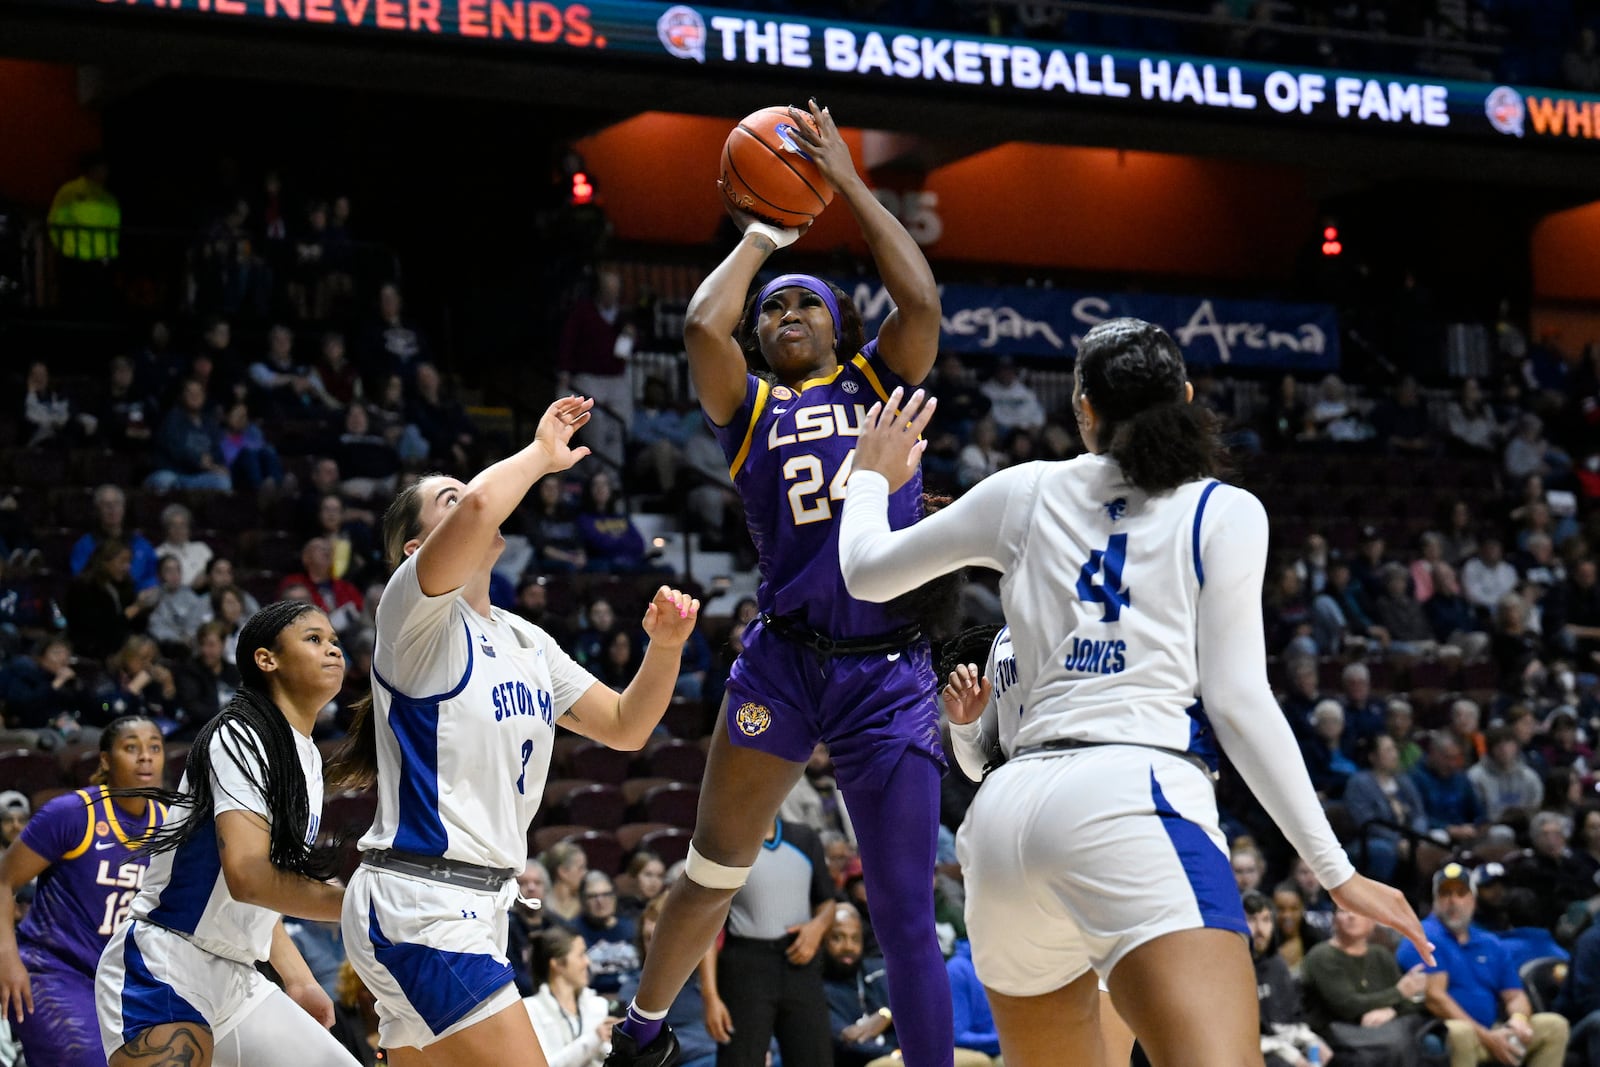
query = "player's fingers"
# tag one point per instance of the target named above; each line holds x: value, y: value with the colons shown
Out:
x: 920, y: 421
x: 872, y: 416
x: 891, y: 409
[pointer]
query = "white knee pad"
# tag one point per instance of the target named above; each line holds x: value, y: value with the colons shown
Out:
x: 712, y: 875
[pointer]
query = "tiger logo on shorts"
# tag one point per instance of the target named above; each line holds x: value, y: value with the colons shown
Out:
x: 753, y: 719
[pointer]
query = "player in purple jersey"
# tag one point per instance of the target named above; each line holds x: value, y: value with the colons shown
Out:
x: 83, y: 848
x: 818, y: 664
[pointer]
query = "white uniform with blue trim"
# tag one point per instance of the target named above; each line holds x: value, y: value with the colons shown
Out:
x: 1123, y: 608
x: 189, y: 951
x: 465, y: 712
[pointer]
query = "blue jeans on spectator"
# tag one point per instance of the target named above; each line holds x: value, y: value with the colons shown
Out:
x: 1383, y: 856
x: 253, y: 466
x: 166, y: 481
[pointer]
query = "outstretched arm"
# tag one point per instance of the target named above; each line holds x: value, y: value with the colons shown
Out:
x: 908, y: 340
x: 450, y: 559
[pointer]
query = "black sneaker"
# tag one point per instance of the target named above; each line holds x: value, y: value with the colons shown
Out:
x: 662, y: 1052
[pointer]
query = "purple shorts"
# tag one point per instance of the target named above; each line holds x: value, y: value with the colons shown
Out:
x: 869, y: 709
x: 62, y: 1030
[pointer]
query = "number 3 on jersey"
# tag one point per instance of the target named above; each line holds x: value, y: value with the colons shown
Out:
x: 1106, y: 565
x: 804, y: 476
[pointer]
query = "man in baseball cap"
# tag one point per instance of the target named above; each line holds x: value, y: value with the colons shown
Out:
x: 14, y: 813
x: 1474, y: 986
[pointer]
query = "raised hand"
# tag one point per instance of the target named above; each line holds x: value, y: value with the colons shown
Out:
x: 671, y: 616
x: 814, y: 128
x: 560, y: 421
x: 966, y: 695
x: 891, y: 441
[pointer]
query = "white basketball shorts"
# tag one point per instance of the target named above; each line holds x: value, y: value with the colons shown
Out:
x: 1074, y: 859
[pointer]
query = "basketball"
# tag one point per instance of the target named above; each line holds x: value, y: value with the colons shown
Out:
x: 766, y: 171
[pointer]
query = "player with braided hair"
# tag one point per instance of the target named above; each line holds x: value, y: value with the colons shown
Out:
x: 178, y: 983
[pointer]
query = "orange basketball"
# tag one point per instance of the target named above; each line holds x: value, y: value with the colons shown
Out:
x: 766, y: 171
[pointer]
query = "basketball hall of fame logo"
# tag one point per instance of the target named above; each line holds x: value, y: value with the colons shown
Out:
x: 753, y: 719
x: 683, y: 33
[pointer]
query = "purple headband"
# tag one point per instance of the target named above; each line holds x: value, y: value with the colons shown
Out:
x: 810, y: 284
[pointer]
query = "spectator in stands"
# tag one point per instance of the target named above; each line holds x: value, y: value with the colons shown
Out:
x: 1364, y: 714
x: 1383, y: 794
x: 551, y: 525
x: 350, y: 539
x: 367, y: 459
x: 42, y: 691
x: 52, y: 418
x: 525, y: 920
x: 126, y: 413
x: 1332, y: 419
x: 1516, y: 650
x: 1565, y: 748
x: 1450, y: 614
x: 611, y: 938
x: 1528, y: 935
x: 1525, y: 727
x: 15, y: 811
x: 1285, y: 1038
x: 1290, y: 420
x: 1289, y: 627
x: 1313, y: 563
x: 592, y: 360
x: 1249, y: 866
x: 1473, y: 981
x: 441, y: 420
x: 219, y: 575
x: 981, y: 456
x: 1504, y: 780
x: 1465, y: 719
x: 1460, y: 534
x: 646, y: 878
x: 1402, y: 617
x: 657, y: 437
x: 612, y: 544
x: 1579, y: 999
x: 1369, y: 562
x: 572, y: 1021
x: 188, y: 449
x: 714, y: 505
x: 1536, y: 513
x: 961, y: 404
x: 391, y: 419
x: 280, y: 386
x: 1323, y: 750
x: 1296, y: 934
x: 138, y: 684
x: 533, y: 604
x: 85, y: 226
x: 312, y: 282
x: 1529, y: 452
x: 1403, y: 423
x: 1340, y: 613
x: 1302, y: 695
x: 1474, y: 432
x: 977, y: 1037
x: 619, y: 660
x: 393, y: 345
x: 228, y: 610
x: 334, y: 378
x: 192, y: 556
x: 180, y: 610
x: 1447, y: 795
x: 817, y: 802
x: 206, y: 681
x: 1397, y: 725
x: 1488, y: 578
x: 220, y: 370
x: 249, y: 457
x: 103, y: 607
x: 568, y: 865
x: 597, y: 624
x: 1358, y: 1001
x: 687, y: 1016
x: 335, y: 597
x: 1563, y: 791
x: 1430, y: 553
x: 110, y: 510
x: 1572, y: 615
x: 858, y: 1002
x: 1013, y: 403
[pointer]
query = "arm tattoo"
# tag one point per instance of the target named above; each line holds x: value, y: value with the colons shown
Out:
x: 182, y: 1045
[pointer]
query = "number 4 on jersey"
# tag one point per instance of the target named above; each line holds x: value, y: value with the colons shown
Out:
x: 1106, y: 565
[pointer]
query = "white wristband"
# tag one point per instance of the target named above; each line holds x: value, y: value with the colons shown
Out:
x: 780, y: 238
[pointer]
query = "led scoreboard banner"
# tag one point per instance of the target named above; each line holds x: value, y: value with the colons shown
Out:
x: 726, y: 40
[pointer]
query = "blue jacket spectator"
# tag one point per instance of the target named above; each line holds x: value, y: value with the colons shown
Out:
x: 858, y: 996
x: 1447, y: 795
x: 1383, y: 794
x: 188, y: 448
x: 974, y: 1022
x: 111, y: 507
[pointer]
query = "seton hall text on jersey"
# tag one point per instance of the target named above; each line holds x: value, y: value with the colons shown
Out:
x: 816, y: 422
x: 1097, y: 657
x: 515, y: 698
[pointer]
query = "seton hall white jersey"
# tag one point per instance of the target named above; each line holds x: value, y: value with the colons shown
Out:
x: 1121, y: 571
x: 466, y: 709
